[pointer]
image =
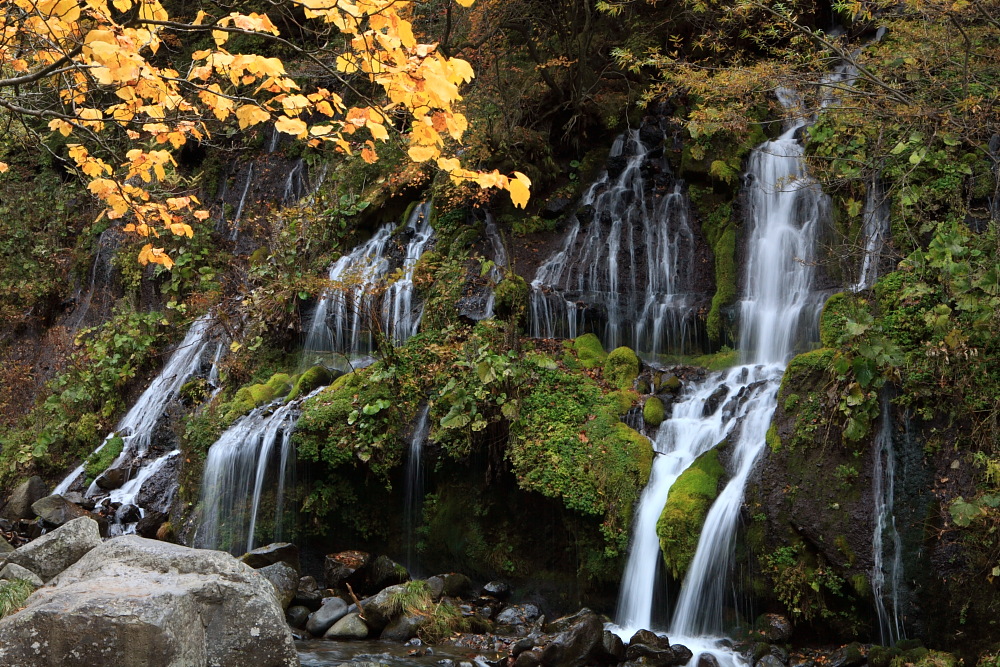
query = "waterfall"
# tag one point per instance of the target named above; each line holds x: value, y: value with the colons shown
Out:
x: 626, y: 259
x: 688, y: 434
x: 413, y: 489
x: 138, y: 426
x: 254, y: 454
x: 343, y: 316
x: 884, y: 474
x: 874, y: 231
x: 778, y: 315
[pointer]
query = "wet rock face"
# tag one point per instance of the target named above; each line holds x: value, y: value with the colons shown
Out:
x: 145, y: 598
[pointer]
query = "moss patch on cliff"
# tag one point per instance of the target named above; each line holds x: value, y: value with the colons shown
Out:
x: 683, y: 516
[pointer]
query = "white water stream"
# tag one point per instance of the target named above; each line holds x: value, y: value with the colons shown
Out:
x: 413, y: 484
x: 629, y: 260
x: 252, y: 457
x: 886, y: 587
x: 344, y: 315
x: 137, y: 427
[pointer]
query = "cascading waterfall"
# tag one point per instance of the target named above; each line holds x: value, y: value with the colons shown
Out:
x: 137, y: 427
x: 883, y: 587
x: 413, y: 488
x: 626, y: 259
x: 688, y: 434
x: 252, y: 457
x: 778, y: 315
x: 340, y: 323
x: 875, y: 231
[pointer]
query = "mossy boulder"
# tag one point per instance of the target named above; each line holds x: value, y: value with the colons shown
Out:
x: 621, y: 368
x: 684, y: 514
x: 511, y: 298
x: 589, y: 350
x: 279, y: 384
x: 725, y: 281
x: 99, y: 461
x: 653, y: 411
x: 312, y: 379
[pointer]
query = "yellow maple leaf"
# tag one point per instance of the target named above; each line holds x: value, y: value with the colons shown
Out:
x: 251, y: 114
x: 294, y: 126
x: 520, y: 189
x: 423, y: 153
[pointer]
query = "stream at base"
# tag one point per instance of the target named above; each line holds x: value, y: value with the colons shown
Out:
x: 320, y: 653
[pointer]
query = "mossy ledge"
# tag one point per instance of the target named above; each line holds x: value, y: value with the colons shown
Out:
x: 684, y: 514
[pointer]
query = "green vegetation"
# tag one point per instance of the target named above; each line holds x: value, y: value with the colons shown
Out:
x: 13, y: 593
x: 312, y: 379
x: 652, y: 411
x: 621, y: 368
x: 589, y: 350
x: 98, y: 462
x: 684, y: 514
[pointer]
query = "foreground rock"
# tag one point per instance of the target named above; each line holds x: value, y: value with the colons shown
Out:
x: 52, y: 553
x: 18, y: 505
x: 133, y: 601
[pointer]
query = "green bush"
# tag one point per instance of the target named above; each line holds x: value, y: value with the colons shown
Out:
x: 834, y: 318
x: 621, y: 368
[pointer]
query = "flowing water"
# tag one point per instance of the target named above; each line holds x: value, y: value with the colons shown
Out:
x: 874, y: 231
x: 413, y: 485
x: 885, y: 537
x: 138, y: 426
x: 343, y: 318
x: 778, y: 316
x: 250, y: 465
x: 624, y: 268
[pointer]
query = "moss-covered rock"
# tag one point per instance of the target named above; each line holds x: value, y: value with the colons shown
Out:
x: 589, y: 350
x: 279, y: 384
x: 99, y: 461
x: 621, y: 368
x: 684, y: 514
x: 511, y: 298
x: 725, y: 281
x: 833, y: 319
x: 312, y: 379
x: 652, y: 411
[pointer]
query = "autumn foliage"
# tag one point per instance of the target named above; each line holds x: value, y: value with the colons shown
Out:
x: 94, y: 70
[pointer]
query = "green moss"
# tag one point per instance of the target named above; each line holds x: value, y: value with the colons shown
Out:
x: 569, y: 444
x: 725, y: 281
x: 99, y: 461
x: 833, y: 319
x: 652, y: 411
x: 589, y: 350
x: 720, y: 361
x: 511, y: 298
x: 684, y: 514
x: 621, y: 368
x: 279, y: 384
x: 621, y: 401
x: 773, y: 439
x: 312, y: 379
x: 260, y: 394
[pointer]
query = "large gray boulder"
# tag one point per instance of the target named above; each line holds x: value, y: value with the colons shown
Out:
x: 285, y: 580
x: 10, y: 571
x: 277, y: 552
x: 134, y: 602
x: 349, y: 627
x: 19, y: 502
x: 52, y: 553
x: 57, y: 510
